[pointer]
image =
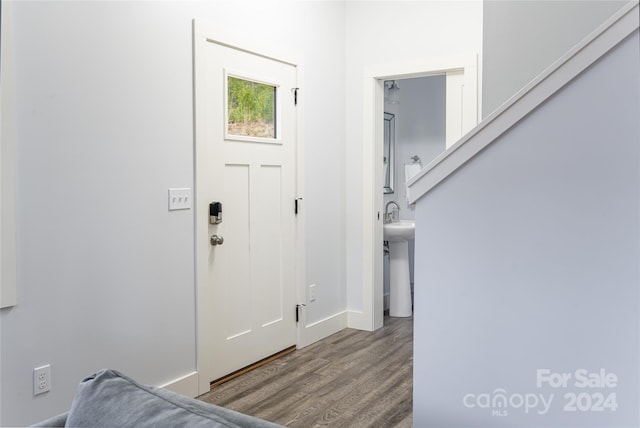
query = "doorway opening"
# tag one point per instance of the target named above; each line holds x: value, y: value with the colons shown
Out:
x: 461, y: 74
x: 414, y: 134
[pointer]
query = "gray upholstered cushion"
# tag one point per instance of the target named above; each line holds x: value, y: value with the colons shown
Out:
x: 111, y: 399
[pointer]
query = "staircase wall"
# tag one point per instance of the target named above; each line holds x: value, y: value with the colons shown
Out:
x: 527, y: 260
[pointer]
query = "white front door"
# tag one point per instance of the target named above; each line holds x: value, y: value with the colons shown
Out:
x: 245, y: 160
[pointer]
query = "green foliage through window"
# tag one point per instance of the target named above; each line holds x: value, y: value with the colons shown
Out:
x: 251, y: 108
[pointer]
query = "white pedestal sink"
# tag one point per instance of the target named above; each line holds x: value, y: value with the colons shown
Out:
x: 398, y: 235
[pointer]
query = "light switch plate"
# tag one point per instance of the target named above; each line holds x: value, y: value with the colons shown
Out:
x: 180, y: 199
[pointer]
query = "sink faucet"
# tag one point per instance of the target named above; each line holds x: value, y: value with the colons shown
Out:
x: 388, y: 216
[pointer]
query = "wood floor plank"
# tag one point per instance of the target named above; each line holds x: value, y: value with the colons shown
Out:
x: 264, y: 388
x: 388, y: 403
x: 350, y: 379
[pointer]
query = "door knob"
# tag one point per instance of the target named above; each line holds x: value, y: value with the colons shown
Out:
x: 216, y: 240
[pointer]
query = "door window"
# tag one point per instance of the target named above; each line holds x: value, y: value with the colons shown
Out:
x: 251, y: 109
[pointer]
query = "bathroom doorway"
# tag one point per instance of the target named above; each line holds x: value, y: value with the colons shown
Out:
x: 461, y: 116
x: 417, y: 109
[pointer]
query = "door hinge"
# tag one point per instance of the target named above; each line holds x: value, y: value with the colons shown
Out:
x: 298, y: 309
x: 298, y: 205
x: 295, y: 96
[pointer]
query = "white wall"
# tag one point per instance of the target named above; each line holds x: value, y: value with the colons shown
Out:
x: 324, y: 199
x: 104, y: 127
x: 380, y: 33
x: 522, y: 38
x: 529, y: 260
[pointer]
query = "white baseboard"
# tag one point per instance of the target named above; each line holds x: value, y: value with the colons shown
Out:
x: 188, y: 384
x: 185, y: 385
x: 359, y: 321
x: 321, y: 329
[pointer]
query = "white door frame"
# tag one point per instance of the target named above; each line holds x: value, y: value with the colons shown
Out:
x: 461, y: 104
x: 8, y: 266
x: 203, y: 34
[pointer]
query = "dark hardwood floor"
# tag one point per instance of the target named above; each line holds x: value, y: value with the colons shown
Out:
x: 350, y: 379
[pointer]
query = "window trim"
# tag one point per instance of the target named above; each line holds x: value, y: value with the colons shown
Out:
x: 278, y: 108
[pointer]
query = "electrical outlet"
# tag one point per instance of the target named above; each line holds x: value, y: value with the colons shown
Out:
x: 41, y: 379
x: 312, y: 293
